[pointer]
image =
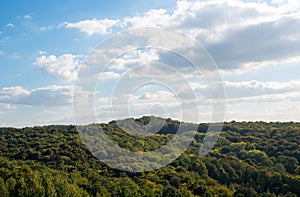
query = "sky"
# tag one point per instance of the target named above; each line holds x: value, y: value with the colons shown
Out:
x: 44, y: 47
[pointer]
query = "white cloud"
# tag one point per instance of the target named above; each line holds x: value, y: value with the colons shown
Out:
x: 64, y: 67
x: 266, y: 98
x: 265, y: 111
x: 10, y: 25
x: 244, y: 89
x: 45, y: 96
x: 93, y: 26
x: 273, y: 92
x: 255, y: 65
x: 27, y: 17
x: 108, y: 75
x: 46, y: 28
x: 8, y: 92
x: 2, y: 53
x: 245, y: 96
x: 42, y: 52
x: 240, y: 35
x: 272, y: 85
x: 136, y: 57
x: 159, y: 96
x: 159, y: 103
x: 151, y: 18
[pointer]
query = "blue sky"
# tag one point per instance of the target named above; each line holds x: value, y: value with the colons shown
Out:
x: 255, y: 44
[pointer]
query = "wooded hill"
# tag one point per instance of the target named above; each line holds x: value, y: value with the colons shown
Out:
x: 249, y: 159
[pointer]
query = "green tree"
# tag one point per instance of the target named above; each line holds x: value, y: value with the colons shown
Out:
x: 3, y: 189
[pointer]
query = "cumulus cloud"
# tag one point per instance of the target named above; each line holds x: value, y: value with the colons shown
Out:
x: 64, y: 67
x: 273, y: 42
x: 45, y: 96
x: 240, y: 35
x: 136, y: 57
x: 236, y: 33
x: 108, y: 75
x: 93, y: 26
x: 151, y: 18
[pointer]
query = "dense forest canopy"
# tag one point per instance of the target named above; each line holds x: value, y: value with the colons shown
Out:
x: 249, y: 159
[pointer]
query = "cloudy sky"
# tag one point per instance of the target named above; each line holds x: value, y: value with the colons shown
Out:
x: 44, y: 46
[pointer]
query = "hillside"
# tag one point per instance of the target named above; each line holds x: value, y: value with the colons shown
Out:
x: 249, y: 159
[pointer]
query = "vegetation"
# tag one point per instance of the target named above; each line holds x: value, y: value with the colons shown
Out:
x: 249, y: 159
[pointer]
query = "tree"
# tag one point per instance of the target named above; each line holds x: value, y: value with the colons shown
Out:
x: 11, y: 184
x: 199, y: 166
x: 290, y: 163
x: 3, y: 189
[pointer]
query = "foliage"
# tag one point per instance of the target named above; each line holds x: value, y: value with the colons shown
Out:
x: 249, y: 159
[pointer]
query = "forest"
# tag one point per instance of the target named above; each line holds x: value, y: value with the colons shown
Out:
x: 249, y: 159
